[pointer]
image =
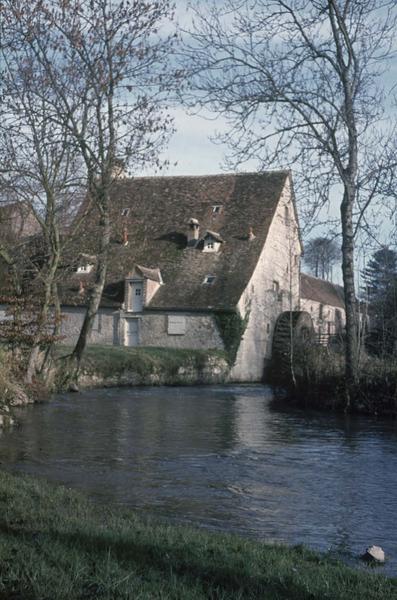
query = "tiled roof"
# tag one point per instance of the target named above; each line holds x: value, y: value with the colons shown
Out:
x: 157, y: 224
x: 319, y: 290
x: 213, y: 235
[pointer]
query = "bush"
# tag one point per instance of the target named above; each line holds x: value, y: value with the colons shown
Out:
x: 7, y: 385
x: 231, y: 328
x: 320, y: 381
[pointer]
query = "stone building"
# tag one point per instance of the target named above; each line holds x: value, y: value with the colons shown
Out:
x: 324, y: 301
x: 189, y: 256
x: 17, y: 221
x: 195, y: 262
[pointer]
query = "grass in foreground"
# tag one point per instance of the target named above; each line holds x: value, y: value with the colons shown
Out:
x: 55, y: 544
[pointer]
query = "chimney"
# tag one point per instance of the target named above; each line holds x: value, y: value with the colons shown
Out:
x: 193, y: 232
x: 118, y: 169
x: 251, y: 235
x: 125, y: 236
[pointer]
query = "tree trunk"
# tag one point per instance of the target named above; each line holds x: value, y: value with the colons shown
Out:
x: 42, y: 320
x: 349, y: 289
x: 96, y: 292
x: 46, y: 365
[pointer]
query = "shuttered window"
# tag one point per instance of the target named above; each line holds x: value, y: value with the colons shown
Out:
x: 176, y: 325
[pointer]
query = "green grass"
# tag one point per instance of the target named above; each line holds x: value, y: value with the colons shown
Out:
x: 55, y: 544
x: 114, y: 360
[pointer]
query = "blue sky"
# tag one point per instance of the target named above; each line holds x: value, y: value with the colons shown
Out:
x: 191, y: 152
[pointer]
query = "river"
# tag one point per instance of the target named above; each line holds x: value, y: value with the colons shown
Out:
x: 226, y: 458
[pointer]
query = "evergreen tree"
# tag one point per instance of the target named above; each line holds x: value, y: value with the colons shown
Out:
x: 380, y: 277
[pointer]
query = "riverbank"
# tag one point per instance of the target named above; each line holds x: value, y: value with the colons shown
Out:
x: 12, y: 393
x: 114, y: 366
x: 55, y: 544
x: 118, y: 366
x: 319, y: 383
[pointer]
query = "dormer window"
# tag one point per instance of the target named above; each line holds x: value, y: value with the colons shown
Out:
x: 216, y: 209
x: 84, y: 268
x: 209, y: 279
x: 135, y: 295
x: 212, y: 241
x: 125, y: 212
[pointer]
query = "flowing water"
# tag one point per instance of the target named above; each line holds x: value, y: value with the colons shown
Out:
x: 225, y: 458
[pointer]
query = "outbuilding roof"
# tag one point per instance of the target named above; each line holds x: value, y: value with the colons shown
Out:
x: 319, y: 290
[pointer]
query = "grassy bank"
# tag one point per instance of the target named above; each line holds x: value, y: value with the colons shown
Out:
x: 12, y: 392
x: 118, y: 365
x: 54, y: 544
x: 320, y: 382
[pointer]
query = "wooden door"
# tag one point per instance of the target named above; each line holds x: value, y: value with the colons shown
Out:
x: 132, y: 332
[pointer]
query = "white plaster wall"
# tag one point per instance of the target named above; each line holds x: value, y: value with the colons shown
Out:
x: 150, y: 290
x: 326, y: 325
x: 279, y: 261
x: 105, y: 330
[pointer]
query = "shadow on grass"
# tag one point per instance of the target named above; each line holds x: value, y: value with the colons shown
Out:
x: 217, y: 579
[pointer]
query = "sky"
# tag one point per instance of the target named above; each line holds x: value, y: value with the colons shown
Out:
x: 191, y: 148
x: 191, y: 151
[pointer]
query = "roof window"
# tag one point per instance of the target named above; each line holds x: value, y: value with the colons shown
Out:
x: 216, y: 209
x: 212, y: 241
x: 209, y: 279
x: 125, y: 212
x: 85, y: 268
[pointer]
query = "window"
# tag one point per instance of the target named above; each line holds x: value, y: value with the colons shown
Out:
x: 216, y: 209
x: 211, y: 244
x: 320, y: 311
x: 276, y: 286
x: 85, y: 268
x: 97, y: 325
x: 176, y: 325
x: 286, y: 214
x: 125, y: 212
x: 268, y: 328
x: 135, y: 296
x: 209, y: 279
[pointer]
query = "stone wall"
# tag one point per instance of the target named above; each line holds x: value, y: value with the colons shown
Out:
x: 201, y: 331
x: 3, y: 309
x: 324, y: 316
x: 213, y: 370
x: 273, y: 288
x: 105, y: 330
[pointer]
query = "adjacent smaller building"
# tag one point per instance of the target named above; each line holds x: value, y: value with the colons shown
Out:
x: 324, y: 301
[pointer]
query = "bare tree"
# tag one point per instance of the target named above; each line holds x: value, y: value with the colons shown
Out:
x: 102, y: 68
x: 321, y: 254
x: 40, y: 179
x: 300, y: 83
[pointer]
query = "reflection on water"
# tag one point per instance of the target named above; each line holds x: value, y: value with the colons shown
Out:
x: 223, y: 458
